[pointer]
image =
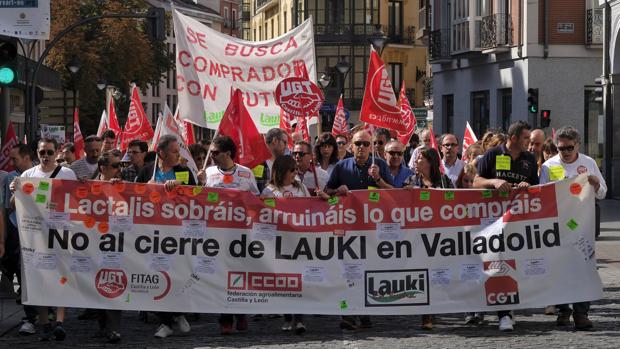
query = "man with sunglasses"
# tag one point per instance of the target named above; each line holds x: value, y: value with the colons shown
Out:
x: 380, y: 140
x: 47, y: 149
x: 568, y: 163
x: 394, y: 152
x: 86, y: 167
x: 343, y: 149
x: 303, y: 157
x: 451, y: 163
x: 136, y: 151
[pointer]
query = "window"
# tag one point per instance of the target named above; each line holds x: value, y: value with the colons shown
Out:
x: 260, y: 33
x: 226, y: 19
x: 395, y: 70
x: 448, y: 113
x: 272, y: 27
x: 594, y: 127
x: 395, y: 20
x: 234, y: 19
x: 285, y: 22
x: 505, y: 102
x: 480, y: 111
x: 155, y: 90
x: 155, y: 112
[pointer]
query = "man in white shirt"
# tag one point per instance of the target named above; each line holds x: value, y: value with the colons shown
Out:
x: 567, y: 164
x: 303, y: 157
x: 225, y: 173
x: 47, y: 149
x: 451, y: 163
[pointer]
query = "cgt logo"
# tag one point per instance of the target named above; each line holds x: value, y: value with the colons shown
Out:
x: 111, y: 283
x: 501, y: 288
x: 254, y: 281
x: 396, y: 287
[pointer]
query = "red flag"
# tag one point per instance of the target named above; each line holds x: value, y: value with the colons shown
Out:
x: 302, y: 127
x: 103, y: 124
x: 301, y: 71
x: 436, y: 147
x: 285, y: 125
x: 407, y: 115
x: 189, y: 133
x: 8, y: 142
x: 379, y: 106
x: 137, y: 125
x: 112, y: 122
x: 340, y: 126
x: 78, y: 139
x: 469, y: 138
x: 238, y: 125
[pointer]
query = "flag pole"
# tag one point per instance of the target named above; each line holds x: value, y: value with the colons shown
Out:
x: 155, y: 165
x: 204, y: 165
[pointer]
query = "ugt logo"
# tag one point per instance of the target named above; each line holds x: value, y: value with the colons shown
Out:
x: 501, y: 288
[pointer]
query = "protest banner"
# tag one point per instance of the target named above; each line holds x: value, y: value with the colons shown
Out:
x: 195, y: 249
x: 209, y: 64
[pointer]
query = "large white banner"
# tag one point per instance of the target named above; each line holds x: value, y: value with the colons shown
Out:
x: 209, y: 64
x: 135, y: 246
x: 26, y: 19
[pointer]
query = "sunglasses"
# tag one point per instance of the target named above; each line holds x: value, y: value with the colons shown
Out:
x: 115, y: 165
x: 341, y: 143
x: 396, y: 153
x: 366, y: 144
x: 567, y: 148
x: 48, y: 152
x: 379, y: 142
x: 449, y: 145
x: 299, y: 153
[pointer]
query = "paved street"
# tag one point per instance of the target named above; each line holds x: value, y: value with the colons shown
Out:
x: 533, y: 328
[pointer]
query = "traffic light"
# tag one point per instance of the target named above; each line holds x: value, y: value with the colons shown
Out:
x: 598, y: 90
x: 545, y: 118
x: 532, y: 100
x: 8, y: 64
x: 156, y: 23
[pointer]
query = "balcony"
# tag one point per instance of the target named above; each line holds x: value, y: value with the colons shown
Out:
x: 398, y: 36
x: 261, y: 5
x: 594, y: 27
x: 496, y: 33
x: 439, y: 46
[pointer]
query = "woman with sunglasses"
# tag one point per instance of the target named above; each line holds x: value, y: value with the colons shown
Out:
x: 427, y: 175
x: 109, y: 170
x: 326, y: 152
x: 343, y: 147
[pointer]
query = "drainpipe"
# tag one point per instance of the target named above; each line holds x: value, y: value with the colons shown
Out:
x: 546, y: 30
x: 520, y: 34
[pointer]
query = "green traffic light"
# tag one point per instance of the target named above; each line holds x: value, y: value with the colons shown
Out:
x: 7, y: 75
x: 533, y: 109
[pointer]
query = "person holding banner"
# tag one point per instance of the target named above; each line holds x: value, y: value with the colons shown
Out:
x: 136, y: 150
x: 359, y: 172
x: 394, y: 152
x: 225, y: 173
x: 86, y: 167
x: 303, y: 157
x: 166, y: 170
x: 325, y: 152
x: 505, y: 167
x: 567, y: 164
x: 451, y: 163
x: 110, y: 171
x: 48, y: 148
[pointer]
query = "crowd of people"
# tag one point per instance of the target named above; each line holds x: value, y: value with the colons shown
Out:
x: 333, y: 166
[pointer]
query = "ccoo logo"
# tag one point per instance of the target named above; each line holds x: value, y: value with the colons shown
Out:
x: 111, y: 283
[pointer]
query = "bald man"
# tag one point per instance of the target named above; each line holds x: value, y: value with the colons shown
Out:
x: 537, y: 138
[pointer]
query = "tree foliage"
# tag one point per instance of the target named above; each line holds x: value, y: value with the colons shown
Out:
x: 116, y: 50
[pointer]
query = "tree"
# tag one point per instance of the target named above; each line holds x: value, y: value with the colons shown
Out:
x: 116, y: 50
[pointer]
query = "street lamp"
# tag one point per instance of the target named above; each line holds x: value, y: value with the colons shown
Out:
x: 73, y: 67
x: 324, y: 80
x: 378, y: 39
x: 101, y: 84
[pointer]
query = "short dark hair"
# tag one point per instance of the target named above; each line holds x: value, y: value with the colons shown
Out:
x: 326, y: 138
x: 69, y: 146
x: 197, y: 149
x: 138, y: 143
x: 104, y: 159
x: 23, y: 150
x: 48, y: 140
x: 305, y: 144
x: 108, y: 134
x: 274, y: 133
x: 225, y: 143
x: 517, y: 127
x: 164, y: 142
x: 383, y: 132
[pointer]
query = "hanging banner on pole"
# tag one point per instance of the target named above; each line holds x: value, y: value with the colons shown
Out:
x: 134, y: 246
x: 209, y: 64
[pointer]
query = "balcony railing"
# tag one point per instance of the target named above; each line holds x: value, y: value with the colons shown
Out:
x: 405, y: 37
x: 261, y: 3
x: 594, y: 26
x: 496, y: 31
x: 439, y: 44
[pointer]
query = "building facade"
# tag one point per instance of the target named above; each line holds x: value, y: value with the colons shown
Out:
x: 487, y: 54
x: 342, y: 29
